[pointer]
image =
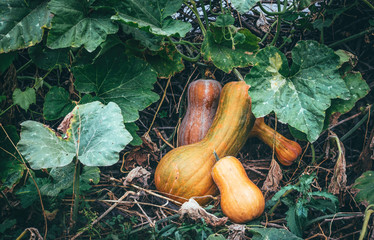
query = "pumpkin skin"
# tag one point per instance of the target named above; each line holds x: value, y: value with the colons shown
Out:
x: 185, y: 171
x: 241, y: 199
x: 287, y: 151
x: 202, y: 100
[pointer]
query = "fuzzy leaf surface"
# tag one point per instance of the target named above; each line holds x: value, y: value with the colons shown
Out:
x: 301, y: 94
x: 116, y: 77
x: 95, y: 134
x: 75, y: 24
x: 22, y: 23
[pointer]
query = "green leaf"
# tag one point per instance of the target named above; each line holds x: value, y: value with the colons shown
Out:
x: 75, y: 24
x: 6, y: 224
x: 243, y: 6
x: 12, y: 169
x: 300, y: 95
x: 95, y: 133
x: 216, y: 236
x: 272, y: 233
x: 57, y: 104
x: 148, y: 40
x: 358, y: 88
x: 22, y: 23
x: 24, y: 99
x: 224, y: 57
x: 151, y: 16
x: 62, y: 178
x: 5, y: 60
x: 28, y: 193
x: 119, y: 78
x: 366, y: 187
x: 166, y: 62
x: 224, y: 20
x: 294, y: 223
x: 47, y: 59
x: 132, y: 128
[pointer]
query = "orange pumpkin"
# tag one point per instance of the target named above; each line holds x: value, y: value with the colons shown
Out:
x: 202, y: 100
x: 287, y: 151
x: 185, y: 171
x: 241, y: 199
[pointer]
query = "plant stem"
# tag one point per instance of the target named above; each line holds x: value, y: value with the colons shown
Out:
x: 349, y: 133
x: 277, y: 33
x: 285, y: 2
x: 369, y: 210
x: 76, y: 190
x: 194, y: 10
x: 237, y: 74
x: 267, y: 34
x: 2, y: 112
x: 369, y: 4
x: 187, y: 58
x: 337, y: 43
x: 205, y: 15
x: 313, y: 153
x: 26, y: 65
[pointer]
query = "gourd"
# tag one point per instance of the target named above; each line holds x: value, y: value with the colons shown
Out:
x: 241, y: 199
x: 286, y: 150
x: 202, y: 103
x: 185, y: 171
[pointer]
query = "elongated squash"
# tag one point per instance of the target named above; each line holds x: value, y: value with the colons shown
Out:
x: 185, y: 172
x: 202, y: 103
x: 286, y: 150
x: 241, y: 199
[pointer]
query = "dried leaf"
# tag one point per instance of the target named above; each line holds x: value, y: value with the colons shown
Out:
x: 236, y: 232
x: 262, y: 23
x: 194, y: 211
x: 339, y: 179
x: 142, y: 154
x: 139, y: 175
x: 273, y: 178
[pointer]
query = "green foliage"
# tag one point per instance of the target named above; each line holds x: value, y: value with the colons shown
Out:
x: 301, y: 94
x: 366, y: 187
x: 24, y: 98
x: 47, y: 59
x: 94, y: 133
x: 300, y: 204
x: 272, y: 233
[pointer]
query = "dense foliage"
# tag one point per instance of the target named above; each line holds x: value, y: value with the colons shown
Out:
x: 86, y: 85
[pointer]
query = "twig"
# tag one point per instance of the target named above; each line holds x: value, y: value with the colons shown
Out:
x: 155, y: 194
x: 104, y: 214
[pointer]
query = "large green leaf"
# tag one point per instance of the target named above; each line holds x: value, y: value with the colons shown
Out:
x: 75, y: 24
x: 95, y: 134
x: 152, y: 16
x: 57, y: 104
x: 166, y: 62
x: 272, y: 233
x: 358, y: 88
x: 223, y: 56
x: 366, y: 187
x: 243, y: 6
x: 24, y: 99
x: 47, y: 59
x: 22, y: 23
x: 148, y: 40
x: 300, y: 95
x: 119, y: 78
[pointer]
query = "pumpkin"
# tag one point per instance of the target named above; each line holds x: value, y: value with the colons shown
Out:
x: 241, y: 199
x: 286, y: 150
x: 202, y: 103
x: 185, y: 171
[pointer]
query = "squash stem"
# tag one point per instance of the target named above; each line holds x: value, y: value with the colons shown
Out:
x: 238, y: 74
x: 369, y: 210
x: 215, y: 155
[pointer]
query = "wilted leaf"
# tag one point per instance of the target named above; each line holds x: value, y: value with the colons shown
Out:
x: 224, y: 56
x: 95, y: 134
x: 24, y: 99
x: 74, y: 24
x: 339, y: 178
x: 300, y: 95
x: 272, y: 233
x: 140, y: 155
x: 152, y: 16
x: 273, y: 178
x: 236, y: 232
x: 22, y: 23
x: 194, y: 211
x: 47, y: 59
x: 57, y: 103
x: 243, y: 6
x: 139, y: 175
x: 116, y: 77
x: 366, y: 187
